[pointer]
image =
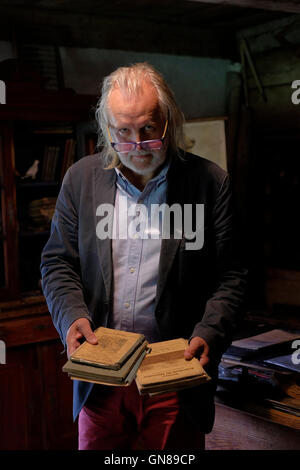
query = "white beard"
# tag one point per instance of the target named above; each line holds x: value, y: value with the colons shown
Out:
x: 150, y: 164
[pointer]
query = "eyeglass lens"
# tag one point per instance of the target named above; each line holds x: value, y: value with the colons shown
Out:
x: 146, y: 145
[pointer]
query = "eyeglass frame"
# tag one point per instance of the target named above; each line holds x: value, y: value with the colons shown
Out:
x: 113, y: 144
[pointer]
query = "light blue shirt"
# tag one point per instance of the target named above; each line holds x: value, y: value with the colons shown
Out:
x: 136, y: 257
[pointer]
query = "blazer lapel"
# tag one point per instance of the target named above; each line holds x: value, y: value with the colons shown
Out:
x: 104, y: 192
x: 169, y: 247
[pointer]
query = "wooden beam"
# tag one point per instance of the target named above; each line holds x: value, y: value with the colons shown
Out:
x: 37, y: 26
x: 288, y: 6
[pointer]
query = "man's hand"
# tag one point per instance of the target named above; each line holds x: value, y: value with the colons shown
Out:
x: 81, y: 328
x: 199, y: 348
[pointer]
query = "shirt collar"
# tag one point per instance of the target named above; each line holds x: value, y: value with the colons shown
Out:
x: 157, y: 180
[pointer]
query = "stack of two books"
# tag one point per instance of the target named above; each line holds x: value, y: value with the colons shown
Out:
x: 113, y: 361
x: 122, y: 356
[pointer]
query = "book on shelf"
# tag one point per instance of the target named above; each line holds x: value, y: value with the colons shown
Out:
x: 50, y: 161
x: 263, y: 345
x: 45, y: 163
x: 165, y: 369
x: 54, y: 128
x: 69, y: 156
x: 91, y: 145
x: 54, y: 131
x: 39, y: 214
x: 113, y: 361
x: 285, y: 361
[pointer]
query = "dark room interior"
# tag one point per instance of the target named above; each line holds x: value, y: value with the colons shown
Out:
x: 234, y: 67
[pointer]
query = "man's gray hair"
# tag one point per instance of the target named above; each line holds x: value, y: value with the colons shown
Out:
x: 130, y: 79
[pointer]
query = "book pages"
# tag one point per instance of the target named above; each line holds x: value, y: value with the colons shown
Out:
x: 103, y: 375
x: 165, y: 367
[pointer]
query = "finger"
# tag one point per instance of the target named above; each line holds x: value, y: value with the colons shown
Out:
x: 72, y: 346
x: 188, y: 355
x: 87, y: 332
x: 204, y: 360
x: 191, y: 351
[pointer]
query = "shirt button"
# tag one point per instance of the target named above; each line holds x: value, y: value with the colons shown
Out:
x: 132, y: 270
x: 126, y: 305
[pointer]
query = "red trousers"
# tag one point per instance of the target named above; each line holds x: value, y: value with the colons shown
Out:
x: 121, y: 419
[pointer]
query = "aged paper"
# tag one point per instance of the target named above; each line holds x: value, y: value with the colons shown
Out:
x: 166, y: 363
x: 104, y: 375
x: 113, y: 347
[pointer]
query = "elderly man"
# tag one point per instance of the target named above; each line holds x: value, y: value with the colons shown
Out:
x: 151, y: 284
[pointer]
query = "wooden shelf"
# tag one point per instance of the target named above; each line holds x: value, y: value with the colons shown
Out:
x: 38, y: 184
x: 31, y: 233
x: 34, y: 125
x: 24, y: 104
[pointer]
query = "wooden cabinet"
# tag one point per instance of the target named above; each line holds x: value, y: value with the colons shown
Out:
x: 8, y: 217
x: 35, y: 395
x: 38, y: 134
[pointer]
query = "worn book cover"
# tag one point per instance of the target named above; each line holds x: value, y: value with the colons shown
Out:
x: 165, y: 368
x: 122, y: 376
x: 267, y: 344
x: 113, y: 348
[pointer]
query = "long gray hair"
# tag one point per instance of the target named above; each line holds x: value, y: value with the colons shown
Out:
x: 130, y: 80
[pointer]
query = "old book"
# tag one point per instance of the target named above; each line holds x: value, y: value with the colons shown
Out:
x: 270, y: 343
x: 165, y: 369
x: 284, y: 361
x: 113, y: 349
x: 105, y: 376
x: 69, y: 156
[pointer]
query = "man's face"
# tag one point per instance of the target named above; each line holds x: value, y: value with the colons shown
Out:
x: 137, y: 118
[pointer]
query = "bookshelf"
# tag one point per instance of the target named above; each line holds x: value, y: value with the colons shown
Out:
x: 44, y: 126
x: 43, y: 153
x: 39, y: 137
x: 34, y: 125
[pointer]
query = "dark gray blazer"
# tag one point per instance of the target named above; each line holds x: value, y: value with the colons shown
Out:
x: 199, y: 293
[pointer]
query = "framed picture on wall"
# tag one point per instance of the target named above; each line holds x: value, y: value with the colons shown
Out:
x: 206, y: 137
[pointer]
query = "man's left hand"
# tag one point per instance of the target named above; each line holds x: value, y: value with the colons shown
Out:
x: 199, y: 348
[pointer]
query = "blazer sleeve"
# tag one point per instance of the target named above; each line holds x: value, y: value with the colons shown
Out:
x: 60, y: 264
x: 224, y: 309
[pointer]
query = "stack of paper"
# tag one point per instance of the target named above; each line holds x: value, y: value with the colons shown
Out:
x: 113, y: 361
x: 165, y: 369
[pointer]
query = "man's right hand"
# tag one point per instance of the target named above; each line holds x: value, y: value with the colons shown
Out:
x: 81, y: 328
